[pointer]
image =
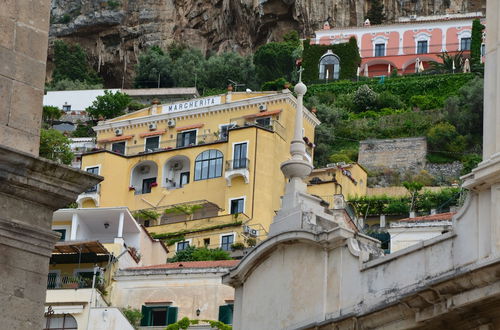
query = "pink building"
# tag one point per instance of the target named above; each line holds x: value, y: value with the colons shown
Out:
x: 401, y: 45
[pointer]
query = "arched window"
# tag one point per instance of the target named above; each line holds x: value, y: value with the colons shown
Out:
x: 208, y: 165
x: 329, y: 66
x: 60, y: 322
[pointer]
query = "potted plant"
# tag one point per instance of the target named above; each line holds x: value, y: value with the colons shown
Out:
x: 70, y: 282
x: 154, y: 184
x: 237, y: 246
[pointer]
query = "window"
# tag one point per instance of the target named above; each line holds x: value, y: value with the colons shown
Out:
x: 147, y: 184
x: 186, y: 138
x: 206, y: 242
x: 118, y: 147
x: 422, y: 47
x: 208, y: 165
x: 60, y: 322
x: 224, y: 131
x: 240, y: 155
x: 379, y: 50
x: 483, y: 50
x: 152, y: 143
x: 66, y: 107
x: 226, y: 241
x: 329, y: 66
x: 182, y: 245
x: 226, y: 313
x: 93, y: 170
x: 184, y: 179
x: 63, y: 234
x: 465, y: 43
x: 264, y: 122
x: 237, y: 206
x: 158, y: 315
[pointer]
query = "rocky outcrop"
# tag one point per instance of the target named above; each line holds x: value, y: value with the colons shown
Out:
x: 114, y: 32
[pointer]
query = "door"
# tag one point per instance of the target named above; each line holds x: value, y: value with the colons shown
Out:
x: 146, y: 185
x: 185, y: 139
x: 240, y: 155
x: 184, y: 179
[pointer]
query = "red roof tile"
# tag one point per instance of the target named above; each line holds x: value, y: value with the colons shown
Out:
x: 183, y: 128
x: 434, y: 217
x: 192, y: 264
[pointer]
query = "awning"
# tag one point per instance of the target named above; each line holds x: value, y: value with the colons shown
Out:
x: 184, y: 128
x: 161, y: 132
x: 263, y: 114
x: 115, y: 139
x: 65, y: 309
x: 80, y: 247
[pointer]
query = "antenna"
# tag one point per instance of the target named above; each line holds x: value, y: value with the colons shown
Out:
x: 236, y: 85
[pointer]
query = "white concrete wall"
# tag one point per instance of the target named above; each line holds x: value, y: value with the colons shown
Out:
x: 404, y: 237
x: 108, y: 318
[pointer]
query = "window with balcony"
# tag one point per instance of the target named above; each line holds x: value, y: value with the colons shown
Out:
x: 422, y: 47
x: 143, y: 177
x: 465, y: 43
x: 224, y: 131
x: 93, y: 170
x: 147, y: 184
x: 118, y: 147
x: 208, y: 165
x: 237, y: 206
x: 379, y: 50
x: 240, y: 155
x: 152, y: 143
x: 186, y: 138
x: 158, y: 315
x: 264, y: 122
x: 60, y: 322
x: 226, y: 241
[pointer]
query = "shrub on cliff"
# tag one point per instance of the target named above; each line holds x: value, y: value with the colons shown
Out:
x: 71, y: 63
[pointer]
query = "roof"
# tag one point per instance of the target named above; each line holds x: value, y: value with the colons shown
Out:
x: 162, y: 91
x: 191, y: 264
x: 433, y: 217
x: 80, y: 247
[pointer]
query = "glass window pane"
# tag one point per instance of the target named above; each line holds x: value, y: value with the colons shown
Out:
x: 211, y: 172
x: 218, y: 165
x: 197, y: 171
x: 204, y: 170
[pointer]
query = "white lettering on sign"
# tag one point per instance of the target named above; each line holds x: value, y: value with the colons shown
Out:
x: 191, y: 104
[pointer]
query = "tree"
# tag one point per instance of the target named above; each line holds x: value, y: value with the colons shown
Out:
x: 200, y: 254
x: 230, y: 65
x: 364, y: 99
x: 189, y: 68
x: 275, y: 60
x: 55, y: 146
x: 476, y: 42
x: 376, y: 12
x: 154, y: 69
x: 449, y: 63
x: 109, y: 105
x: 71, y: 63
x: 50, y: 113
x: 72, y: 85
x: 443, y: 139
x: 413, y: 187
x: 133, y: 315
x: 83, y: 130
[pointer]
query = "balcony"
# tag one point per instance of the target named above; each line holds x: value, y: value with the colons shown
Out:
x: 269, y: 123
x: 68, y: 282
x: 236, y: 168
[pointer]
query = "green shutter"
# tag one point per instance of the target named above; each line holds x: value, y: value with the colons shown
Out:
x: 171, y: 315
x: 146, y: 316
x: 226, y: 314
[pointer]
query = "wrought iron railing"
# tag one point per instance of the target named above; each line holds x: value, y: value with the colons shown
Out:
x: 239, y: 163
x: 68, y: 282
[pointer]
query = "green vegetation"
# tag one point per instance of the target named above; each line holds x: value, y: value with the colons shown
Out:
x: 181, y: 66
x: 146, y: 215
x: 447, y: 109
x: 112, y: 4
x: 133, y: 315
x: 71, y: 64
x: 192, y: 253
x: 109, y: 105
x: 83, y: 130
x: 50, y: 114
x: 55, y: 146
x: 476, y: 42
x: 183, y: 232
x: 185, y: 322
x: 348, y: 54
x: 417, y: 200
x: 449, y: 63
x: 71, y: 85
x: 376, y: 12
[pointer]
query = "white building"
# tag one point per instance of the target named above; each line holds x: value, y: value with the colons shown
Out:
x: 410, y: 231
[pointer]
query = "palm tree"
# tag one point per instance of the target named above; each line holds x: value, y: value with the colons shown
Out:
x: 449, y: 64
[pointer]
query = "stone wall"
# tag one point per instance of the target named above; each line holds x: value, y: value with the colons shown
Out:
x: 24, y: 26
x: 399, y: 154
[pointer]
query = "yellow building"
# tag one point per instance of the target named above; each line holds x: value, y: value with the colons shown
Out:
x: 208, y: 167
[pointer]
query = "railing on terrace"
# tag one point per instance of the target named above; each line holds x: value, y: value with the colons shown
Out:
x: 198, y: 223
x: 68, y: 282
x: 236, y: 164
x: 271, y: 124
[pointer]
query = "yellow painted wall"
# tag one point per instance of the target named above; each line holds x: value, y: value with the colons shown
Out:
x: 344, y: 186
x: 266, y: 151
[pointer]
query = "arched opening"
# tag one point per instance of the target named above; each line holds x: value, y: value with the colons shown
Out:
x: 176, y: 172
x: 329, y: 66
x: 60, y: 322
x: 143, y: 177
x: 208, y: 165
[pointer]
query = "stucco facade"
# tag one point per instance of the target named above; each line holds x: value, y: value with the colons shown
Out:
x: 384, y: 48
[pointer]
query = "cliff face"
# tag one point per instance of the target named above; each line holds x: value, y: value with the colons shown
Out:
x: 114, y: 32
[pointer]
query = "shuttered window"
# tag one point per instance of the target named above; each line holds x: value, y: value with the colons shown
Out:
x: 226, y: 313
x: 158, y: 315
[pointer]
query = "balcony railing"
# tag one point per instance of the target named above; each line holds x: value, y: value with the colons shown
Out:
x: 68, y: 282
x: 272, y: 124
x: 236, y: 164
